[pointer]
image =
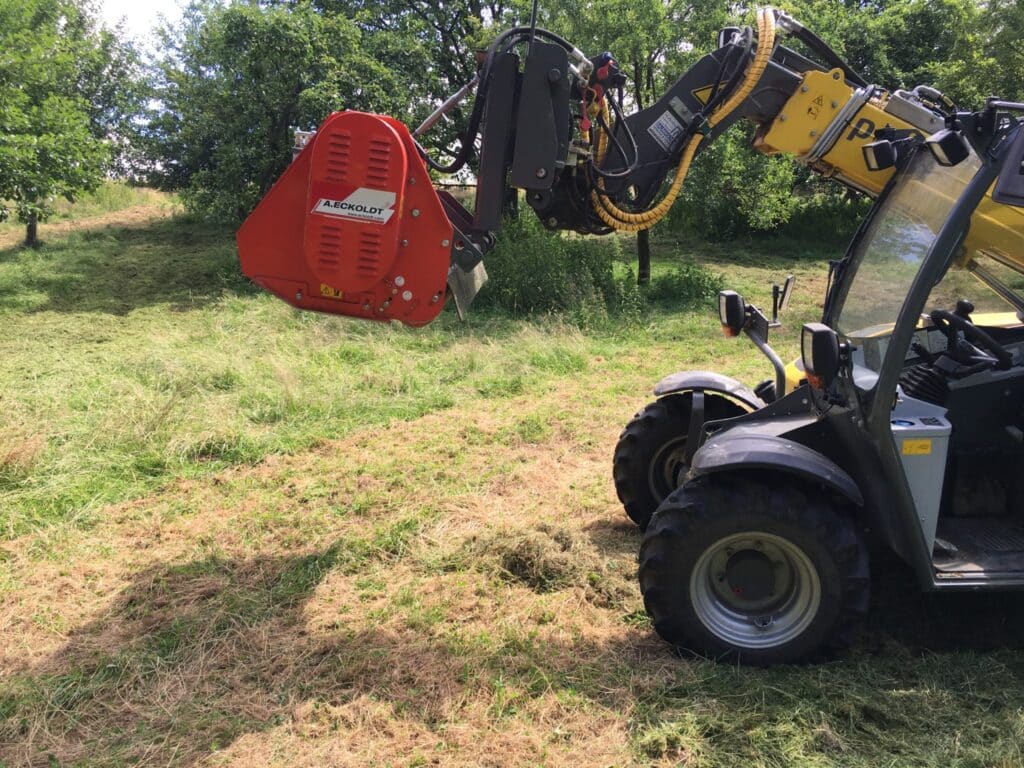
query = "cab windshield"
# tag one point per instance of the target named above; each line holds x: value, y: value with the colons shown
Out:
x: 893, y: 248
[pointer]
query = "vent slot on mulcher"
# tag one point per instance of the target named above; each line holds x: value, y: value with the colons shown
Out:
x: 339, y: 150
x: 378, y: 163
x: 368, y: 255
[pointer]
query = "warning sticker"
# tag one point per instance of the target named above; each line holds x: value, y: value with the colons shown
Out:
x: 917, y: 447
x: 703, y: 95
x: 330, y: 293
x: 362, y: 205
x: 667, y: 131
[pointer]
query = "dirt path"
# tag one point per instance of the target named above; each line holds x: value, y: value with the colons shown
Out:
x: 133, y: 216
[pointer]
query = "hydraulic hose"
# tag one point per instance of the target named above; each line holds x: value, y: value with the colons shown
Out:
x: 626, y: 221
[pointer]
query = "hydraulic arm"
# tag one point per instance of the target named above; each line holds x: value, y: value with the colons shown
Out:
x: 355, y: 226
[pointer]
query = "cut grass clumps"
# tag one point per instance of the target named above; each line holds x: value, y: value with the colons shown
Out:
x: 18, y: 455
x: 547, y: 559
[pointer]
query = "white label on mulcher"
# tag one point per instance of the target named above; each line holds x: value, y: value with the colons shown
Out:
x: 666, y: 130
x: 362, y: 205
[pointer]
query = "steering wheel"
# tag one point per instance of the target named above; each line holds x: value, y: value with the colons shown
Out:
x: 950, y: 323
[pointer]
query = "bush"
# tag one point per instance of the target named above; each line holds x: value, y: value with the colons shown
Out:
x: 732, y: 190
x: 827, y: 217
x: 532, y: 270
x: 686, y: 285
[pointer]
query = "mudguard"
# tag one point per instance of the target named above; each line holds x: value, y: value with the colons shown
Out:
x: 708, y: 381
x: 738, y: 449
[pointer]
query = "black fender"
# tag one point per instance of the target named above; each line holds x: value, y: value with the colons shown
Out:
x: 738, y: 450
x: 708, y: 381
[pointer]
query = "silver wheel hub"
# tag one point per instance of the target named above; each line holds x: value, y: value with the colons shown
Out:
x: 755, y: 590
x: 668, y: 468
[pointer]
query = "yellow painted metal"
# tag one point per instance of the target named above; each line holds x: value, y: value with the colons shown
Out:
x: 794, y: 375
x: 995, y: 228
x: 847, y: 156
x: 808, y: 113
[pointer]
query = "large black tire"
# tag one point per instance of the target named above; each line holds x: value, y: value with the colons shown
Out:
x: 730, y: 567
x: 649, y: 460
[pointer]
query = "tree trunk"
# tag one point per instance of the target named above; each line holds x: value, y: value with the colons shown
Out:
x: 510, y: 205
x: 32, y: 231
x: 643, y: 257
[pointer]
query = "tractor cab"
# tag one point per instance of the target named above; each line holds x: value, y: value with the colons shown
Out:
x: 907, y: 430
x: 944, y: 325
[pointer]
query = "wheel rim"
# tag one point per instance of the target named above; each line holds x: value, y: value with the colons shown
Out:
x: 755, y: 590
x: 668, y: 468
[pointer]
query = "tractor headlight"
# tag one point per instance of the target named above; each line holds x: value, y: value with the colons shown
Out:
x: 949, y: 147
x: 879, y: 155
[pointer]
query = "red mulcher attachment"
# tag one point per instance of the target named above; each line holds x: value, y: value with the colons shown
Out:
x: 353, y: 227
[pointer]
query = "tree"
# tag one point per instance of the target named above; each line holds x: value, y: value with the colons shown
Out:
x: 236, y: 80
x: 54, y: 131
x: 995, y: 60
x: 430, y: 48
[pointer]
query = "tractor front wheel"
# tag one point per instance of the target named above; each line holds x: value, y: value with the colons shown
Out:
x: 650, y: 457
x: 762, y: 573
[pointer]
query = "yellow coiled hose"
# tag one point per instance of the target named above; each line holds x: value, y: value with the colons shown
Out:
x: 625, y: 221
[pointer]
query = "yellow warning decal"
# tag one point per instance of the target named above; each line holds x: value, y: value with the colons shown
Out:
x: 330, y: 293
x: 703, y: 95
x: 917, y: 447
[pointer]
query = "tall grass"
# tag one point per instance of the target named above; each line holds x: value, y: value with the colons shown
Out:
x: 589, y: 280
x: 108, y: 197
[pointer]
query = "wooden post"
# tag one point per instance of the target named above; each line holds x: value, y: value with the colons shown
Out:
x: 643, y: 257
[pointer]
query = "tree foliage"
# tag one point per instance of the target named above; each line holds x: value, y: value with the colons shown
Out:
x: 65, y: 94
x: 236, y: 77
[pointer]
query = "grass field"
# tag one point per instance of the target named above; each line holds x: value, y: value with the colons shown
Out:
x: 233, y: 534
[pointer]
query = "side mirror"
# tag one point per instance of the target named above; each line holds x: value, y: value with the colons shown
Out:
x: 879, y: 155
x: 949, y: 147
x: 732, y: 311
x: 781, y: 294
x: 821, y: 354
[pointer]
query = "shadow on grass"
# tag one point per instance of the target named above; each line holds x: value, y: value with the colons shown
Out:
x: 191, y: 657
x: 116, y: 270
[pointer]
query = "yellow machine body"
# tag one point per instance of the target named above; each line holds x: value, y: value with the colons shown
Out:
x: 826, y: 124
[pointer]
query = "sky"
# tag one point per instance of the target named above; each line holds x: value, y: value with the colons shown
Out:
x: 140, y: 16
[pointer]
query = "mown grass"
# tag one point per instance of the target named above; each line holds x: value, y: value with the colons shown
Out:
x: 237, y: 534
x: 136, y: 356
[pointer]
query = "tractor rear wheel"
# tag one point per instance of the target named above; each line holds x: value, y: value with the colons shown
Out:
x: 650, y: 457
x: 764, y: 573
